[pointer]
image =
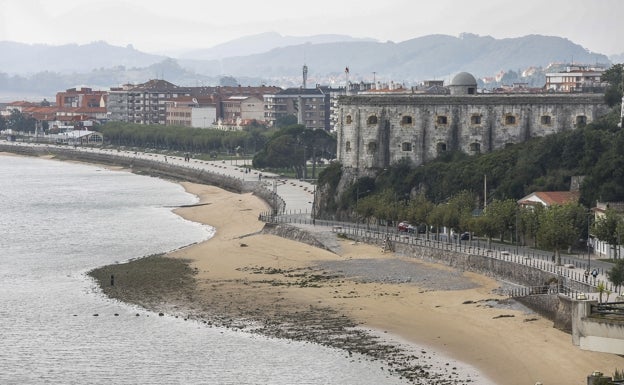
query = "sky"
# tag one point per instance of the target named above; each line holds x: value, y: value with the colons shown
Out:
x: 171, y: 27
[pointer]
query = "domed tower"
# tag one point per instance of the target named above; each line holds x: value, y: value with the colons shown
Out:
x: 463, y: 84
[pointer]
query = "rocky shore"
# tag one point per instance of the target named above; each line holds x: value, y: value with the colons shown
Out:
x: 169, y: 286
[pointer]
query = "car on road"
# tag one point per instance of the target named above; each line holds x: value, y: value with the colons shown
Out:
x: 406, y: 227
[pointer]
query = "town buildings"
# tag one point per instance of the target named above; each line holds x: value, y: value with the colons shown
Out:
x: 575, y: 78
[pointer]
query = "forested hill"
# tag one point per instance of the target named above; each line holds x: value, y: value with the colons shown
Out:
x: 542, y: 164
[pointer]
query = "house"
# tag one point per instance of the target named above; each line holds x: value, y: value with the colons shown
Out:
x: 549, y: 198
x: 603, y: 248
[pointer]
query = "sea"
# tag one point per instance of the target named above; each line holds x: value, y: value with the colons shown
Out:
x: 58, y: 220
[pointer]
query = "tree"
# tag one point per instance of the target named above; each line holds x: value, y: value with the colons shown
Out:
x: 529, y: 223
x: 459, y: 211
x: 610, y: 228
x: 285, y: 121
x: 419, y: 209
x: 556, y: 230
x: 613, y: 93
x: 503, y: 214
x: 616, y: 274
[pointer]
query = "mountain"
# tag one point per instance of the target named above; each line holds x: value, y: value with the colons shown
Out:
x: 427, y: 57
x: 19, y: 58
x: 278, y: 60
x: 263, y: 42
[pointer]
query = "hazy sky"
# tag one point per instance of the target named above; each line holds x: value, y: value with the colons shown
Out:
x: 173, y: 25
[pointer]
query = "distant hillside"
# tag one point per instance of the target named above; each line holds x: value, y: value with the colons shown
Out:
x: 264, y: 42
x: 46, y: 69
x: 19, y: 58
x: 427, y: 57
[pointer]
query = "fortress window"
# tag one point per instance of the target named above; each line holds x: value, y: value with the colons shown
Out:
x: 475, y: 119
x: 475, y: 147
x: 372, y: 147
x: 546, y: 119
x: 406, y: 146
x: 406, y: 120
x: 348, y: 146
x: 371, y: 120
x: 441, y: 147
x: 348, y: 119
x: 441, y: 119
x: 581, y: 120
x: 510, y: 119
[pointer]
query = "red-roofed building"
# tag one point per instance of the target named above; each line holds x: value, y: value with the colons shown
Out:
x: 549, y: 198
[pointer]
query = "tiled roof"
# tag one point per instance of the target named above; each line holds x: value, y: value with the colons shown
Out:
x: 549, y: 198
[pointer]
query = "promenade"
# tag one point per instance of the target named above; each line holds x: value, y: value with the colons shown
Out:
x: 298, y: 197
x: 289, y: 289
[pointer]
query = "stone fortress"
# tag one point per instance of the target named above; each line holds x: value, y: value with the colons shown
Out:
x: 375, y: 130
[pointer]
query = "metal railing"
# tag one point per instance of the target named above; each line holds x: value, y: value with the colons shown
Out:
x: 571, y: 271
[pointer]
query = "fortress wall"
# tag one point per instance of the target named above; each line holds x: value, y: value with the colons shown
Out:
x: 381, y: 130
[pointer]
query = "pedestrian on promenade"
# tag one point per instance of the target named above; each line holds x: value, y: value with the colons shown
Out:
x: 586, y: 275
x: 594, y: 274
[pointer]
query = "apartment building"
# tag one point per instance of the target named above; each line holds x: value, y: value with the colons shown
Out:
x: 311, y: 106
x: 81, y: 97
x: 189, y: 111
x: 144, y: 103
x: 575, y: 78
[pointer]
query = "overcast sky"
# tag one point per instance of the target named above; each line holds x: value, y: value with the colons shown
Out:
x: 169, y: 26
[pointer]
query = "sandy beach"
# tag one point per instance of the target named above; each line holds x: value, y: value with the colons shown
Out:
x: 243, y: 278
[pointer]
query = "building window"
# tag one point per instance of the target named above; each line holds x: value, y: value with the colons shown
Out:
x: 581, y: 120
x: 510, y: 119
x: 546, y: 119
x: 406, y: 146
x: 372, y: 147
x: 371, y: 120
x: 441, y: 147
x: 349, y: 119
x: 406, y: 120
x: 348, y: 146
x: 475, y: 147
x: 442, y: 119
x: 475, y: 119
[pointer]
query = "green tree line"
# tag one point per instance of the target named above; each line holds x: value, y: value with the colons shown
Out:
x: 187, y: 139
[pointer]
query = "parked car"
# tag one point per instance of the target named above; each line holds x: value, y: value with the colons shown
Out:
x: 406, y: 227
x: 463, y: 236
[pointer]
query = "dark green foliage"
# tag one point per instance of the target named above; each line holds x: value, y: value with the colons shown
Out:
x: 176, y: 138
x: 613, y: 76
x: 616, y: 274
x: 540, y: 164
x: 291, y: 147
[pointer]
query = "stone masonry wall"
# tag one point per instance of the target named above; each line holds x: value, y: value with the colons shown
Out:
x: 377, y: 131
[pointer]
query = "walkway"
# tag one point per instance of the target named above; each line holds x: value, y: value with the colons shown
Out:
x: 299, y: 197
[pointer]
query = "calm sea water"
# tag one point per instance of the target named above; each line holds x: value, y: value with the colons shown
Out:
x: 59, y: 220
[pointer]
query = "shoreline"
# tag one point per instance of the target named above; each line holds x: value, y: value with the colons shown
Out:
x: 245, y: 279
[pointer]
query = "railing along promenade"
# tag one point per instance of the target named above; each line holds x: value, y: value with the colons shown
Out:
x: 570, y: 273
x: 232, y: 178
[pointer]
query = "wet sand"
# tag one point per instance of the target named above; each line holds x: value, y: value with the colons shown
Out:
x: 355, y: 299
